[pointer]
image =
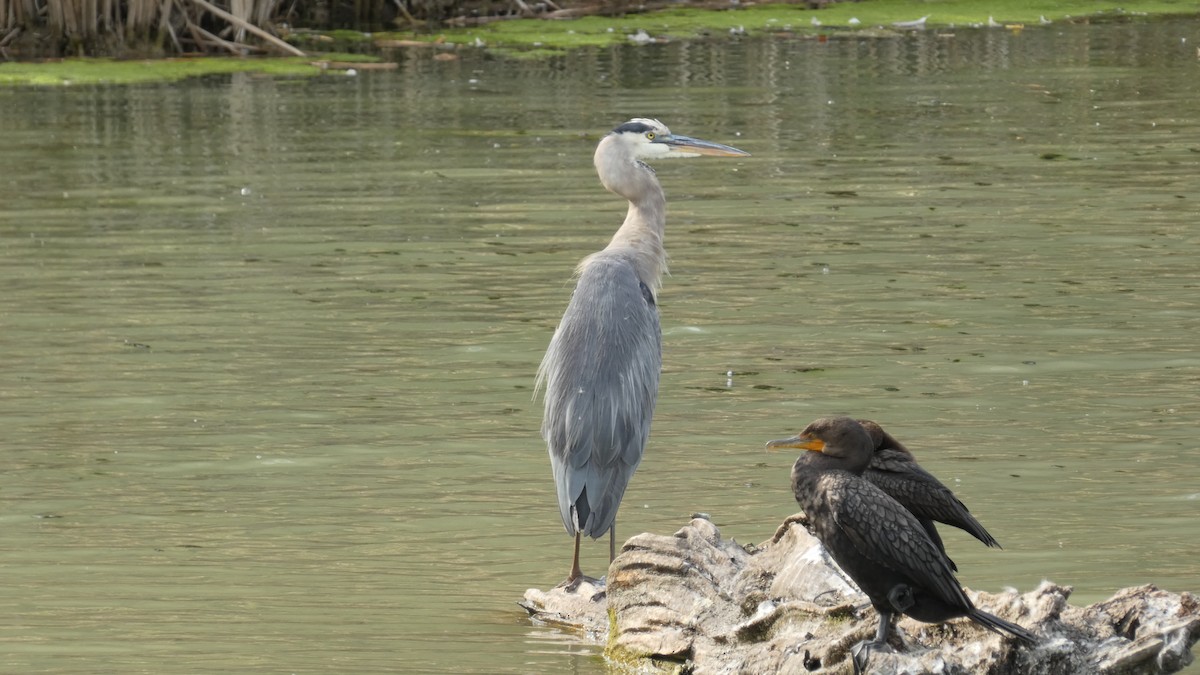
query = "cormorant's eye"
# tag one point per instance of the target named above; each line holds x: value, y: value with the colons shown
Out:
x: 649, y: 135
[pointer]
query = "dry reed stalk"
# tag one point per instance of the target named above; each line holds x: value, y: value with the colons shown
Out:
x: 89, y: 19
x: 255, y: 30
x: 164, y: 23
x: 82, y: 26
x: 237, y: 49
x: 263, y: 11
x: 239, y: 9
x: 134, y: 17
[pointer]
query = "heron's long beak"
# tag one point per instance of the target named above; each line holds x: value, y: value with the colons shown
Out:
x: 801, y: 442
x: 686, y: 146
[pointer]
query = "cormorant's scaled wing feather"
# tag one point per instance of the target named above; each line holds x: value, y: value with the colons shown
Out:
x: 922, y: 493
x: 885, y: 532
x: 601, y: 375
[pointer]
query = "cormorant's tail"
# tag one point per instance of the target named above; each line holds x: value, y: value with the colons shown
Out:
x: 975, y: 529
x: 998, y: 625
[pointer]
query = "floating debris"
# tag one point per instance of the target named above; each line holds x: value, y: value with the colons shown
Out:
x: 641, y: 37
x: 915, y: 23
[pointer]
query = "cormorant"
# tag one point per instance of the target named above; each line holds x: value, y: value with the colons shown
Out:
x: 894, y: 469
x: 877, y: 542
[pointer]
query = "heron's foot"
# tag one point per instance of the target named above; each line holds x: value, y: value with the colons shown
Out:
x: 571, y: 585
x: 861, y: 653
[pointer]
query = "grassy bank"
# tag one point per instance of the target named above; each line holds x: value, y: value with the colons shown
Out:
x: 871, y: 17
x: 533, y: 38
x: 87, y: 71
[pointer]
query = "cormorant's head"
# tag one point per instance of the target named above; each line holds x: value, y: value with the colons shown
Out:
x: 839, y: 437
x: 882, y: 440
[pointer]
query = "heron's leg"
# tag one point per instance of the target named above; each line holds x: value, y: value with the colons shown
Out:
x: 612, y: 542
x: 576, y: 573
x: 576, y: 577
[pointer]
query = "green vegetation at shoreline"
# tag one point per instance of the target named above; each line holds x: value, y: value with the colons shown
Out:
x: 535, y: 38
x: 871, y: 17
x: 86, y: 71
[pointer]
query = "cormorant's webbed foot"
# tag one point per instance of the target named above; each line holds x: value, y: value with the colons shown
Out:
x: 861, y: 653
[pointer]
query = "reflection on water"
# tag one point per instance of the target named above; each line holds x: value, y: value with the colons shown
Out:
x: 269, y: 346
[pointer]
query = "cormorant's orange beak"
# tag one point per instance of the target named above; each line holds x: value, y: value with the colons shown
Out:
x: 801, y: 442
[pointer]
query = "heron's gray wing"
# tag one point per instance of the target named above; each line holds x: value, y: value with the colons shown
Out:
x: 600, y: 374
x: 890, y: 536
x: 922, y: 493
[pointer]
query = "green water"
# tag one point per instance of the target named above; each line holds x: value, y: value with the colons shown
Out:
x: 268, y: 347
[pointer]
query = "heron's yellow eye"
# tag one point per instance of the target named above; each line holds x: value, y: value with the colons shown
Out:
x: 649, y: 135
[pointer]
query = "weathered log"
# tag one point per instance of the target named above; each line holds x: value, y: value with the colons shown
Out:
x: 697, y: 602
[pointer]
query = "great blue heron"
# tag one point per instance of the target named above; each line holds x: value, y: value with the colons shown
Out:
x: 600, y: 372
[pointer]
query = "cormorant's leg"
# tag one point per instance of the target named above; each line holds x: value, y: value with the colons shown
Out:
x: 885, y: 623
x: 861, y: 652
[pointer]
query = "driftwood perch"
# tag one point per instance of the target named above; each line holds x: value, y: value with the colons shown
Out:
x: 699, y: 603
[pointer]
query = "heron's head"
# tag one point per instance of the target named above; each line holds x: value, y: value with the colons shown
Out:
x: 642, y: 138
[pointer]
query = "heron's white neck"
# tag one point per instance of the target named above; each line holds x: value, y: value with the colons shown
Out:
x: 641, y: 235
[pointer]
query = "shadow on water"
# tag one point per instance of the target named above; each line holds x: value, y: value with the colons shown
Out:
x: 269, y: 346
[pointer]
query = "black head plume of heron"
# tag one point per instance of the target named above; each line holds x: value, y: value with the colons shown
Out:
x: 600, y: 372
